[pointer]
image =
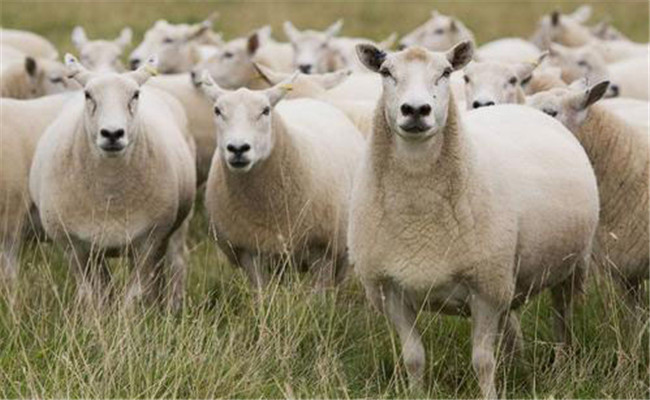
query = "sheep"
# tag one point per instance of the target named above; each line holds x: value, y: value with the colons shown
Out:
x: 446, y: 212
x: 441, y: 32
x: 629, y: 77
x: 489, y: 83
x: 29, y: 43
x: 114, y: 174
x: 177, y: 46
x: 605, y: 31
x: 279, y: 183
x: 618, y: 151
x: 321, y: 52
x: 101, y: 55
x: 545, y: 78
x: 30, y: 77
x: 22, y: 123
x: 633, y: 111
x: 9, y: 53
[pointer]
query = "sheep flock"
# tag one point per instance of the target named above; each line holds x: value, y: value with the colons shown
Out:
x: 439, y: 175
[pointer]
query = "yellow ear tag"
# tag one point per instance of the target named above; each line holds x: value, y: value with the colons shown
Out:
x: 151, y: 70
x: 288, y: 87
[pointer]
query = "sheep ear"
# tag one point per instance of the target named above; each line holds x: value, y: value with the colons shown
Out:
x: 524, y: 71
x: 199, y: 29
x: 434, y: 14
x: 389, y: 42
x: 332, y: 79
x: 270, y: 76
x: 461, y: 54
x: 370, y: 56
x: 253, y: 43
x: 76, y: 71
x: 291, y: 31
x: 600, y: 29
x: 146, y: 71
x: 264, y: 33
x: 584, y: 99
x: 209, y: 87
x: 453, y: 25
x: 555, y: 18
x: 30, y: 66
x: 582, y: 13
x: 277, y: 92
x: 79, y: 38
x: 124, y: 40
x: 556, y: 50
x: 335, y: 28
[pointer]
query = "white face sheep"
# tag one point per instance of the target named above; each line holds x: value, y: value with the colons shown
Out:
x: 115, y: 174
x: 311, y: 48
x: 101, y: 55
x: 439, y: 33
x: 279, y: 184
x: 33, y: 77
x: 489, y: 83
x: 565, y: 29
x: 446, y: 213
x: 175, y: 45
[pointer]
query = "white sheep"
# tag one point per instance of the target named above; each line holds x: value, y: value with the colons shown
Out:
x: 177, y: 46
x: 22, y: 123
x: 114, y: 174
x: 466, y: 213
x: 279, y: 185
x: 101, y: 55
x: 619, y: 153
x: 29, y: 77
x: 31, y: 44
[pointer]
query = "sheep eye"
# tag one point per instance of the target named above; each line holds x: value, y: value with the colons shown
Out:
x: 583, y: 63
x: 136, y: 95
x: 266, y: 110
x: 446, y: 73
x: 228, y: 54
x: 56, y: 80
x: 168, y: 40
x: 466, y: 78
x: 439, y: 31
x: 385, y: 73
x: 87, y: 96
x: 217, y: 111
x: 550, y: 112
x: 512, y: 81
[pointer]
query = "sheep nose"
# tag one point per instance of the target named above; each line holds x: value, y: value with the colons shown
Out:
x: 238, y: 150
x: 305, y: 68
x: 112, y: 135
x: 415, y: 111
x: 134, y: 63
x: 479, y: 104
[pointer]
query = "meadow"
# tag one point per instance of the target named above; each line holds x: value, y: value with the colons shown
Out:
x: 291, y: 341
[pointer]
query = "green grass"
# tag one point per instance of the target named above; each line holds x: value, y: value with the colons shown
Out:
x: 293, y: 342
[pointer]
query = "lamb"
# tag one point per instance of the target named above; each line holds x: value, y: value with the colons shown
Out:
x: 177, y: 46
x: 489, y: 83
x: 321, y: 52
x: 446, y: 212
x: 101, y: 55
x: 279, y: 185
x: 22, y: 123
x: 114, y: 174
x: 29, y: 43
x: 30, y: 77
x: 618, y: 152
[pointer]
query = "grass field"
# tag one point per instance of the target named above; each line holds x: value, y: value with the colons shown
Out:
x: 292, y: 342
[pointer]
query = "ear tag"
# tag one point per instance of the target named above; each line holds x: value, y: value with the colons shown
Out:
x: 288, y: 87
x: 151, y: 70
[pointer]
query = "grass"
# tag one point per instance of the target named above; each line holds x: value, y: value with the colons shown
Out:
x: 292, y: 342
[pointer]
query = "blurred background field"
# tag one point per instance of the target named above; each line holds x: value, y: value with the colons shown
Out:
x: 292, y: 343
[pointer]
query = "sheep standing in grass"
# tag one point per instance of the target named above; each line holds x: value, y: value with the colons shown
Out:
x: 114, y: 174
x: 618, y: 151
x: 279, y: 184
x: 101, y: 55
x: 472, y: 212
x: 22, y: 123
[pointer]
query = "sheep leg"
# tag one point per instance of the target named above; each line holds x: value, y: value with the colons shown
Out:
x: 403, y: 318
x: 513, y: 343
x: 255, y: 269
x: 8, y: 261
x: 177, y: 256
x: 91, y: 271
x: 485, y: 329
x: 562, y: 296
x: 147, y: 279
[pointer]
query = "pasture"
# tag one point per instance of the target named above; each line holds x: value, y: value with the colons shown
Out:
x: 291, y: 341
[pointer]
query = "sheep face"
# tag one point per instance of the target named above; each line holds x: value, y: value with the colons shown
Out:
x: 232, y: 65
x: 416, y: 87
x: 581, y: 63
x: 439, y: 33
x: 173, y: 45
x: 564, y: 29
x: 101, y: 55
x: 569, y: 105
x: 243, y: 119
x: 312, y: 50
x: 490, y: 83
x: 110, y: 105
x: 47, y: 77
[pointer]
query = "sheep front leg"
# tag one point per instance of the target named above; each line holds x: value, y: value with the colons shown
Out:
x: 485, y: 329
x: 147, y: 278
x: 403, y: 318
x: 562, y: 296
x: 91, y: 271
x: 177, y: 256
x: 513, y: 342
x: 8, y: 261
x: 256, y: 270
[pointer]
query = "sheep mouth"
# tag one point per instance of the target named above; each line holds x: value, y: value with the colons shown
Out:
x: 112, y: 148
x: 238, y: 164
x: 415, y: 127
